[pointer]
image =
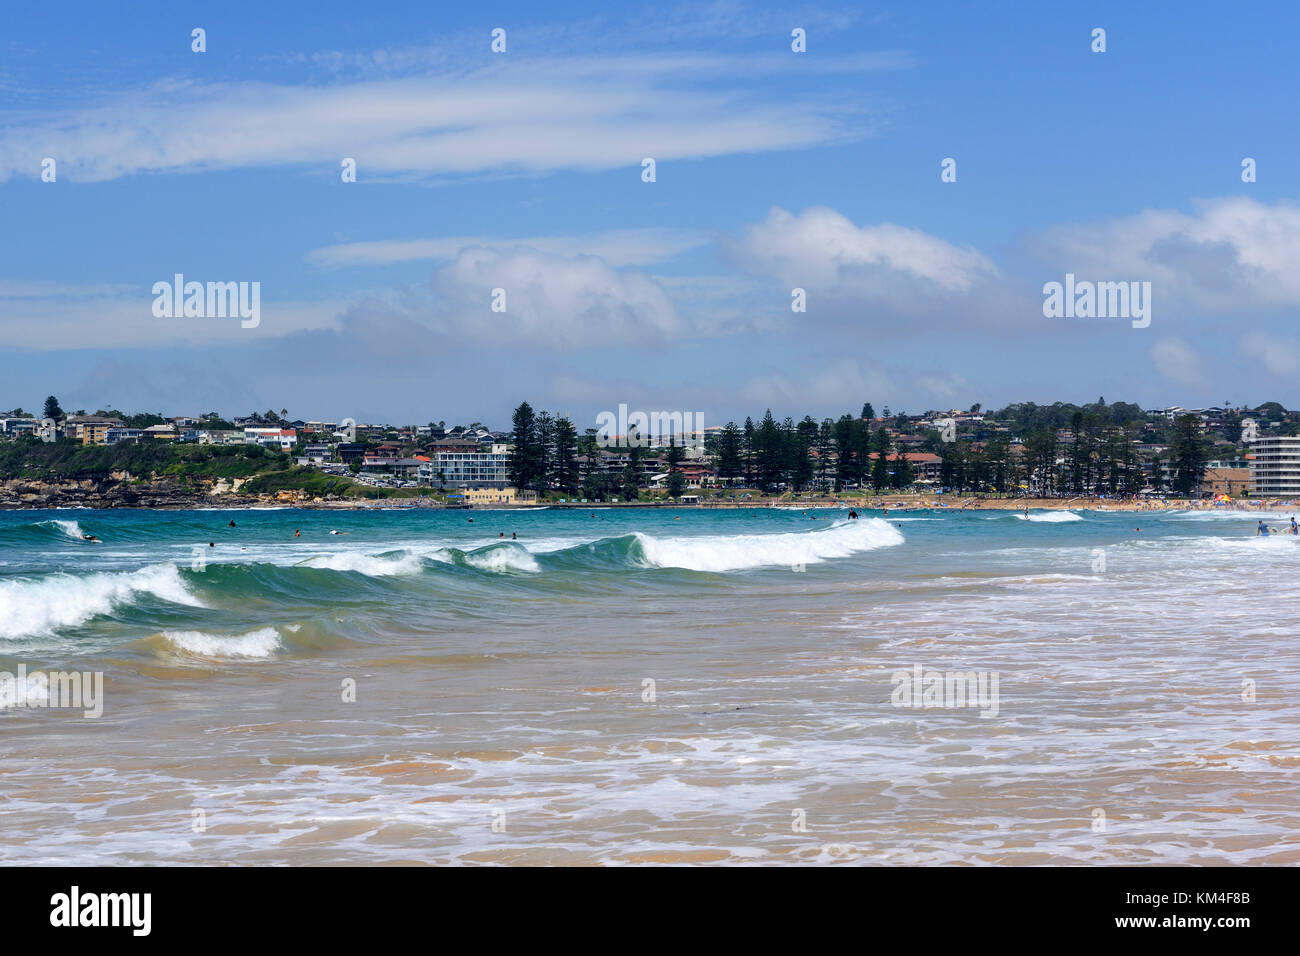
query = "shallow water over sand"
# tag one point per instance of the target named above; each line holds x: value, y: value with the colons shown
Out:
x: 504, y: 712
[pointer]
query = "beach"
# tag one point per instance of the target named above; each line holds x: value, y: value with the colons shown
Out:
x: 669, y: 686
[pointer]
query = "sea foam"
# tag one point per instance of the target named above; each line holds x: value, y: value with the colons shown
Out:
x: 260, y: 643
x: 743, y: 551
x: 43, y: 605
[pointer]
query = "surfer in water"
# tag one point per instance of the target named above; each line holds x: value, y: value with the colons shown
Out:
x: 1262, y: 529
x: 89, y: 537
x: 853, y: 515
x: 232, y: 523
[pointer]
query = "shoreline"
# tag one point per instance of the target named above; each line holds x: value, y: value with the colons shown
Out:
x: 884, y: 503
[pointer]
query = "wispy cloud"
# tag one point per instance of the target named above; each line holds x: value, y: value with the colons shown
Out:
x: 621, y: 247
x: 511, y: 117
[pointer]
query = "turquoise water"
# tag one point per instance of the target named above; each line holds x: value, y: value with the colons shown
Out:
x: 510, y: 676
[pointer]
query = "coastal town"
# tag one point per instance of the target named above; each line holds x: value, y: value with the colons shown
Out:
x: 1115, y: 452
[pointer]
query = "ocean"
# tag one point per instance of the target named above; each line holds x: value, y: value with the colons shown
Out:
x: 677, y: 685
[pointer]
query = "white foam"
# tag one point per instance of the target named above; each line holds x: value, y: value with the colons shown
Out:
x: 43, y: 605
x: 1052, y: 517
x: 503, y: 559
x: 255, y: 644
x: 372, y: 565
x: 742, y: 551
x: 70, y: 528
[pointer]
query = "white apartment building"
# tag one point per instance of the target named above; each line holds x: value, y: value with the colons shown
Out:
x: 466, y: 468
x: 282, y: 438
x: 1275, y: 466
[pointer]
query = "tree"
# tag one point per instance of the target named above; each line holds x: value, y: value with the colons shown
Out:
x: 730, y: 441
x: 52, y: 409
x: 767, y: 449
x: 676, y: 480
x: 868, y: 412
x: 845, y: 449
x: 545, y: 452
x: 521, y: 465
x: 565, y: 468
x: 825, y: 442
x: 904, y: 475
x: 880, y: 468
x: 1187, y: 455
x: 747, y: 450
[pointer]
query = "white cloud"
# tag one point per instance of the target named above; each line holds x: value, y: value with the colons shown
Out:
x: 552, y: 302
x: 513, y: 116
x: 824, y: 252
x: 1232, y: 253
x: 621, y: 247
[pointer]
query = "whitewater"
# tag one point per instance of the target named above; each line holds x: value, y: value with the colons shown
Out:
x: 651, y: 685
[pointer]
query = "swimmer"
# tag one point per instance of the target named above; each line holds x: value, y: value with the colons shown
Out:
x: 501, y: 535
x: 297, y: 533
x: 232, y: 523
x: 513, y: 536
x: 212, y: 544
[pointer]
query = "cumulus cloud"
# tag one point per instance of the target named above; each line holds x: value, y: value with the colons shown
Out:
x: 1231, y: 253
x: 824, y: 250
x: 551, y: 301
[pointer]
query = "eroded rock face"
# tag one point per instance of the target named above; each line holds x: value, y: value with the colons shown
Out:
x: 95, y: 493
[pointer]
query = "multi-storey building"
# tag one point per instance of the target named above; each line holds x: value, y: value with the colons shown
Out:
x: 1275, y: 466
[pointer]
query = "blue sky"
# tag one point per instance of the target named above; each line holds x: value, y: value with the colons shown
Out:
x: 522, y: 171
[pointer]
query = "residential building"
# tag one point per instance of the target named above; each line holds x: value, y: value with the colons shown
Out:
x: 281, y: 439
x: 115, y: 436
x: 1275, y: 466
x: 466, y: 465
